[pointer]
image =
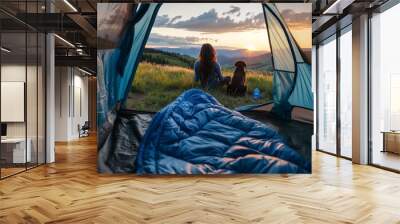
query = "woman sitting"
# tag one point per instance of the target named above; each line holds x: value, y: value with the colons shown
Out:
x: 207, y: 70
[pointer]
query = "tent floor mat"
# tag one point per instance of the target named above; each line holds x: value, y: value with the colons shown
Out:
x: 129, y: 129
x: 297, y: 134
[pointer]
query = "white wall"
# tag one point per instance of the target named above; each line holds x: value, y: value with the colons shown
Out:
x: 70, y: 83
x: 81, y: 84
x: 62, y: 81
x: 50, y: 95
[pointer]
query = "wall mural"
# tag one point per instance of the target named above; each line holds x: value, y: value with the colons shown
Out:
x: 210, y: 88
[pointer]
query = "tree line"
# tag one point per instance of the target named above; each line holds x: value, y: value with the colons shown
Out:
x: 167, y: 58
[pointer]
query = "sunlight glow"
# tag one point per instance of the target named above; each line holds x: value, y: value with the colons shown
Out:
x: 250, y: 47
x: 252, y: 40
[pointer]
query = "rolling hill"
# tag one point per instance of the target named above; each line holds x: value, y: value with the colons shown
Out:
x: 185, y: 57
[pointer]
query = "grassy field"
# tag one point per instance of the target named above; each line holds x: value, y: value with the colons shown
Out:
x: 155, y: 86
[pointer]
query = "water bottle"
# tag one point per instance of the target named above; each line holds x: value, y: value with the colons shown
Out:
x: 256, y: 94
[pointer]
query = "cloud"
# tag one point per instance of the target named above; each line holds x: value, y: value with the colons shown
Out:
x: 161, y: 21
x: 295, y: 19
x: 232, y: 11
x: 163, y: 40
x: 175, y: 18
x: 211, y: 22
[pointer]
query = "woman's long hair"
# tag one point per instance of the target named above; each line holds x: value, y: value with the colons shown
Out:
x: 207, y: 57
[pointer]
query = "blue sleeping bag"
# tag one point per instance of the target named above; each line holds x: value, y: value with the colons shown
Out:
x: 195, y: 134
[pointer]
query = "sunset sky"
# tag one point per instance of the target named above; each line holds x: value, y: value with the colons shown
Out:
x: 225, y: 25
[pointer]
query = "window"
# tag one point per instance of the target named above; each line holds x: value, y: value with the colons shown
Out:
x: 345, y: 92
x: 385, y: 89
x: 327, y: 95
x: 22, y: 77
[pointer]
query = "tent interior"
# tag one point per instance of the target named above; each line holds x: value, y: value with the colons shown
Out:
x: 290, y: 112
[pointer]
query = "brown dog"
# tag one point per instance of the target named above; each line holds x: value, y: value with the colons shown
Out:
x: 237, y: 86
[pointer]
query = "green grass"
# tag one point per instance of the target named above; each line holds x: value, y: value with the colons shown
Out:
x: 155, y: 86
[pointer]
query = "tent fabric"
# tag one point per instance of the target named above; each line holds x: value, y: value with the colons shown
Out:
x: 283, y: 25
x: 118, y: 66
x: 130, y: 127
x: 281, y: 90
x: 302, y: 95
x: 195, y: 134
x: 109, y: 75
x: 292, y: 75
x: 141, y: 33
x: 282, y: 56
x: 102, y: 95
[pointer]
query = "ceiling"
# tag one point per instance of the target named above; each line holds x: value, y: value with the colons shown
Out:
x: 332, y: 15
x: 74, y: 22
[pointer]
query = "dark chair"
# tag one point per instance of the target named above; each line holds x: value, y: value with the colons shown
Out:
x: 84, y: 130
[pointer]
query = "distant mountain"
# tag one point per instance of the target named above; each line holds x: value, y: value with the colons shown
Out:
x: 185, y: 57
x: 256, y: 60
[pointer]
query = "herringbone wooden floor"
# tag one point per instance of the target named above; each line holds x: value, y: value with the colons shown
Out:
x: 71, y: 191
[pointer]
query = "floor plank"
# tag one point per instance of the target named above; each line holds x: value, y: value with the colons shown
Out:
x: 71, y: 191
